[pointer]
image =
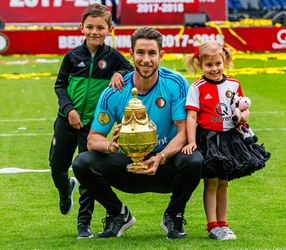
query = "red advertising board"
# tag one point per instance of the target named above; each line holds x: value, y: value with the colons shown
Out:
x: 215, y: 9
x: 131, y: 12
x: 43, y: 11
x: 258, y: 39
x: 158, y: 12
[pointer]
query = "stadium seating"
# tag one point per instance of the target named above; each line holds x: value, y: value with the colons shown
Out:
x: 234, y: 4
x: 239, y: 9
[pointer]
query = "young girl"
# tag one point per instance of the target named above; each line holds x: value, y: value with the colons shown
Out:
x: 210, y: 129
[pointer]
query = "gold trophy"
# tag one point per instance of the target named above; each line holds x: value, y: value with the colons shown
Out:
x: 138, y: 135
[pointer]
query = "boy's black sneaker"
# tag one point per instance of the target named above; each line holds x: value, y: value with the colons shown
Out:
x: 115, y: 225
x: 66, y: 198
x: 83, y: 231
x: 173, y: 226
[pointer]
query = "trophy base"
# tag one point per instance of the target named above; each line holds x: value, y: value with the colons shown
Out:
x: 136, y: 167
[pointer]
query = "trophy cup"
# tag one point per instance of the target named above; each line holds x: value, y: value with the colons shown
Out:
x: 138, y: 135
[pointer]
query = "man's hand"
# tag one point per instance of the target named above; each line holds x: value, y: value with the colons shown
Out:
x: 114, y: 146
x: 152, y: 165
x: 115, y: 134
x: 74, y: 119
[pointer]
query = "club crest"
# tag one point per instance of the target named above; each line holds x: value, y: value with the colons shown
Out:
x: 228, y: 94
x: 102, y: 64
x: 160, y: 102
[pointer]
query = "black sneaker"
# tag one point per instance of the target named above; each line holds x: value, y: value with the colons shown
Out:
x: 173, y: 226
x: 83, y: 231
x: 115, y: 225
x: 66, y: 198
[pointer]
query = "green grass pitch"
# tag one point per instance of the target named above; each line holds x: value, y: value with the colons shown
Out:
x: 29, y: 214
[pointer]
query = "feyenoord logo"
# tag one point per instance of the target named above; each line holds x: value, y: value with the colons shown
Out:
x: 102, y: 64
x: 161, y: 102
x: 4, y: 42
x: 228, y: 94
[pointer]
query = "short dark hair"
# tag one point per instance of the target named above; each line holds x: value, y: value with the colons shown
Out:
x: 147, y: 33
x: 97, y: 10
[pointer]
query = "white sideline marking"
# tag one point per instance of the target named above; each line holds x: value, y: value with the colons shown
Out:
x: 269, y: 129
x: 50, y: 134
x: 52, y: 119
x: 13, y: 170
x: 267, y: 112
x: 21, y: 170
x: 27, y: 119
x: 26, y: 134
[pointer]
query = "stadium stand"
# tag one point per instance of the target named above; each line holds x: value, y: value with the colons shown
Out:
x: 267, y: 9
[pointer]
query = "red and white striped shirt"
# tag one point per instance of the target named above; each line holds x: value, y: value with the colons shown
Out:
x: 212, y: 101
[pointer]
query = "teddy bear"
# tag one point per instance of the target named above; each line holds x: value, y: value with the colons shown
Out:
x: 239, y: 107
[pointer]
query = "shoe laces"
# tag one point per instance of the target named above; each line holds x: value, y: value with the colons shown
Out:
x: 218, y: 232
x: 227, y: 230
x: 176, y: 222
x: 83, y: 227
x: 113, y: 222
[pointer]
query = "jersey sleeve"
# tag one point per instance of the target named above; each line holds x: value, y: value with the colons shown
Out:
x: 104, y: 116
x: 192, y: 101
x: 122, y: 65
x: 239, y: 90
x: 61, y: 84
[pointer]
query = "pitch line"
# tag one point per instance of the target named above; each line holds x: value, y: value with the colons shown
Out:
x: 50, y: 134
x: 268, y: 112
x: 26, y: 134
x: 21, y: 170
x: 14, y: 170
x: 269, y: 129
x: 27, y: 120
x: 52, y: 119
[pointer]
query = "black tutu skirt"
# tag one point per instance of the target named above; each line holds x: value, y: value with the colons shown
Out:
x: 227, y: 156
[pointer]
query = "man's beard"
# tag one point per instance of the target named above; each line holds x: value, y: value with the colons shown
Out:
x: 152, y: 73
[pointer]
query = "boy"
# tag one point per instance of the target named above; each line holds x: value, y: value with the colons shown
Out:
x: 85, y: 72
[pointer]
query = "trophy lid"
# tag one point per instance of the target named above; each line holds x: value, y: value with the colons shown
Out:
x: 135, y: 103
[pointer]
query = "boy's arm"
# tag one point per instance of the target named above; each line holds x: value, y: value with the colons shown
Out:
x: 65, y: 103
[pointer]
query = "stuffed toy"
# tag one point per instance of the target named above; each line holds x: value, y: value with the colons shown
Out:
x: 239, y: 107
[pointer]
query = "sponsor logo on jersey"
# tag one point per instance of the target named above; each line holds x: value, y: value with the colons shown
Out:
x: 162, y: 141
x: 221, y: 109
x: 103, y: 118
x: 102, y: 64
x: 208, y: 96
x: 160, y: 102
